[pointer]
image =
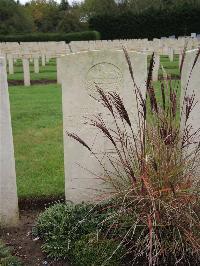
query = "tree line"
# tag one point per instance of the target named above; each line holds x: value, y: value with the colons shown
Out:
x: 112, y: 18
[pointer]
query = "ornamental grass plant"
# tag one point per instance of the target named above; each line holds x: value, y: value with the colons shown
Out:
x: 153, y: 173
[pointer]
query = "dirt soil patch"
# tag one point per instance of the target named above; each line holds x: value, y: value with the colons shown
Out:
x: 21, y: 241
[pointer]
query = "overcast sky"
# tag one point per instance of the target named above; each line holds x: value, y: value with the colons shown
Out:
x: 25, y: 1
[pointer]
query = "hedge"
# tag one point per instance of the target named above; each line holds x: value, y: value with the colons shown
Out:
x: 44, y: 37
x: 149, y: 24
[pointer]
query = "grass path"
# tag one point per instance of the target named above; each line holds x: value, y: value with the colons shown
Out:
x: 37, y: 129
x: 46, y: 72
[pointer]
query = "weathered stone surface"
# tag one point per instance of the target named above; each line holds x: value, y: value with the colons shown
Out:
x: 190, y: 81
x: 10, y: 65
x: 36, y: 64
x: 156, y: 67
x: 81, y: 72
x: 58, y: 70
x: 43, y: 60
x: 26, y: 70
x: 171, y: 54
x: 8, y: 189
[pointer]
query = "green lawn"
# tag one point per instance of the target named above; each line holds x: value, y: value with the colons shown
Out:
x: 46, y: 72
x: 37, y: 129
x: 170, y: 67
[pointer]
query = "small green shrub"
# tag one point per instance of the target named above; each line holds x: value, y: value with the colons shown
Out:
x: 6, y: 259
x: 61, y: 225
x: 92, y: 252
x: 67, y: 228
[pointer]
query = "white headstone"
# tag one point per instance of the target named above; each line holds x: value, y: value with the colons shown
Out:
x: 58, y: 69
x: 190, y: 84
x: 193, y: 35
x: 156, y: 67
x: 26, y: 70
x: 171, y: 54
x: 10, y: 64
x: 80, y: 73
x: 43, y: 60
x: 48, y: 57
x: 8, y: 189
x: 36, y: 64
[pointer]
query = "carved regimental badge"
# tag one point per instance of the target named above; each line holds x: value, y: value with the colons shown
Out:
x: 105, y: 76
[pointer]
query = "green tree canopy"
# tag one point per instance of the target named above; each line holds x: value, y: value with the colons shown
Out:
x: 13, y: 18
x: 45, y: 14
x: 96, y: 7
x: 64, y: 5
x: 51, y: 17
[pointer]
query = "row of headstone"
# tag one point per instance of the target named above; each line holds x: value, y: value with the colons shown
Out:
x: 47, y: 49
x: 26, y: 60
x: 159, y: 45
x: 44, y: 51
x: 31, y: 52
x: 79, y: 74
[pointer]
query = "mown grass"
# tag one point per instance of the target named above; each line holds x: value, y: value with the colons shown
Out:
x: 172, y: 68
x: 46, y: 72
x: 37, y: 129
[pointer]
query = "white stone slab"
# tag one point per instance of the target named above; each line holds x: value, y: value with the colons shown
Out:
x: 58, y: 70
x: 10, y: 65
x: 8, y: 190
x: 171, y: 54
x: 80, y: 72
x: 190, y: 81
x: 156, y: 67
x: 26, y: 70
x: 36, y: 65
x: 43, y: 60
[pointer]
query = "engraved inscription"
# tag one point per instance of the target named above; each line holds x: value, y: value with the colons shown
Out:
x: 105, y: 76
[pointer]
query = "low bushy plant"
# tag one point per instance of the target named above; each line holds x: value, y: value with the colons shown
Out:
x: 61, y: 225
x: 6, y: 259
x: 91, y: 251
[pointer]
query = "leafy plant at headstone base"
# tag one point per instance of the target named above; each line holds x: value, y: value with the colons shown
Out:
x: 153, y: 175
x: 6, y: 259
x: 90, y: 250
x: 61, y: 225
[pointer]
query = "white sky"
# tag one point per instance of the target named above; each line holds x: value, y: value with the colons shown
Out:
x: 25, y: 1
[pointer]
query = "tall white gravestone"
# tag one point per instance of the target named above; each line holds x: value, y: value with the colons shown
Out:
x: 58, y: 70
x: 171, y: 54
x: 156, y: 67
x: 190, y: 82
x: 10, y: 64
x: 80, y: 73
x: 8, y: 188
x: 26, y: 70
x: 36, y: 64
x: 43, y: 60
